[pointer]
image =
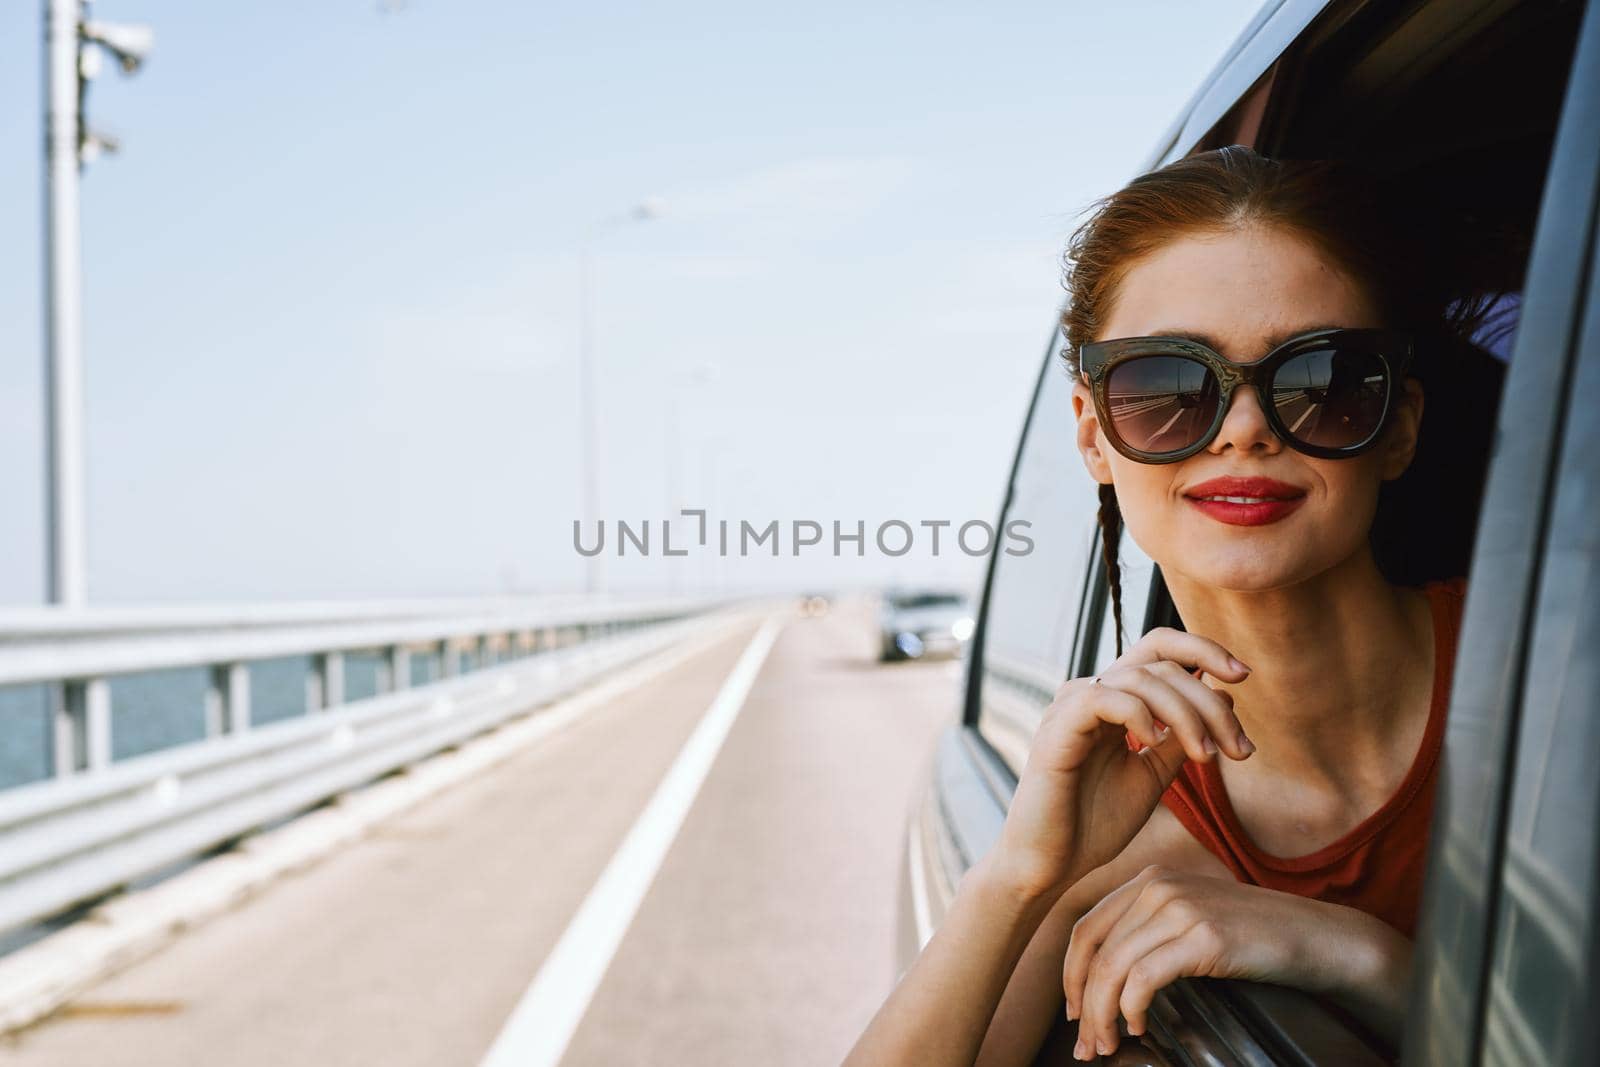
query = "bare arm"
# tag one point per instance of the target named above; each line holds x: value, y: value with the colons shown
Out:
x: 1028, y: 1008
x: 1165, y: 924
x: 1082, y: 798
x: 938, y: 1012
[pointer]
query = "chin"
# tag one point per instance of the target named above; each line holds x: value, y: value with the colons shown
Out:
x: 1242, y: 573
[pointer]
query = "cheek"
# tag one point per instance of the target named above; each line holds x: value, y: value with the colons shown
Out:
x: 1149, y: 508
x: 1349, y: 492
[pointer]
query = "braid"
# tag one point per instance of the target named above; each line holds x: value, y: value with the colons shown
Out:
x: 1110, y: 533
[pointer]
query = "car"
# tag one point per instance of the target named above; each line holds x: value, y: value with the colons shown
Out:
x: 814, y: 605
x: 1496, y: 106
x: 925, y: 622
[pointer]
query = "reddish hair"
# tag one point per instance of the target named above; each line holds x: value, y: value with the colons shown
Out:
x: 1386, y: 247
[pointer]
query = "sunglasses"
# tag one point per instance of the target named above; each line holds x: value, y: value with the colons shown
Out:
x: 1326, y: 393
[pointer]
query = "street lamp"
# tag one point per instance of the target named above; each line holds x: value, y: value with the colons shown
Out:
x: 685, y: 380
x: 74, y: 48
x: 678, y: 385
x: 645, y: 210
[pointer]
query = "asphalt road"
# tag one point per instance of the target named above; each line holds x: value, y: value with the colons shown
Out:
x: 766, y: 935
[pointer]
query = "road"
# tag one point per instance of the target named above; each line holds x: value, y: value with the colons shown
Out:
x: 765, y: 935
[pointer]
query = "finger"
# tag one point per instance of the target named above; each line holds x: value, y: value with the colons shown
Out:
x: 1215, y: 707
x: 1170, y: 706
x: 1195, y: 952
x: 1190, y: 650
x: 1142, y: 928
x: 1116, y: 705
x: 1087, y: 934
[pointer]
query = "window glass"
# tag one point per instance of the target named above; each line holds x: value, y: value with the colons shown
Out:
x: 1542, y: 982
x: 1137, y: 570
x: 1034, y: 600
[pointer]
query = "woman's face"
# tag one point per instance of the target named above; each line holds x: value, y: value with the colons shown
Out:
x: 1243, y: 287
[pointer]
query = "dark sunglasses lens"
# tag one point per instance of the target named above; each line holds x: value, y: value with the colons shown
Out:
x: 1161, y: 403
x: 1332, y: 398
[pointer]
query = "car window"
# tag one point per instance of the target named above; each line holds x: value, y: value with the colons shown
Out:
x: 1032, y: 612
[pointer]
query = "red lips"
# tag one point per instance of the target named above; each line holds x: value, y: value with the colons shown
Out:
x: 1281, y: 500
x: 1231, y: 486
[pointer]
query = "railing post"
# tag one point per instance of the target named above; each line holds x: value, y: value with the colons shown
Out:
x: 449, y: 665
x: 325, y: 684
x: 81, y: 725
x: 399, y: 668
x: 228, y: 700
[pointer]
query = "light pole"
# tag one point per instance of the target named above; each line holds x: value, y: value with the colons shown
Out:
x: 712, y: 451
x: 685, y: 380
x: 690, y: 379
x: 72, y: 44
x: 645, y: 210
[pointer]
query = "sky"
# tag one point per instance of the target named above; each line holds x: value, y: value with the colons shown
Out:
x: 332, y: 285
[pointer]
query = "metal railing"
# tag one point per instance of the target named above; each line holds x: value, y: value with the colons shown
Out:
x: 101, y: 824
x: 77, y: 652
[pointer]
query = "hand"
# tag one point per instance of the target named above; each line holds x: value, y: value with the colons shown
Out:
x: 1083, y: 793
x: 1164, y: 924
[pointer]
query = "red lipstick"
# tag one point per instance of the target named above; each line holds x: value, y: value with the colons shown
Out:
x: 1255, y: 501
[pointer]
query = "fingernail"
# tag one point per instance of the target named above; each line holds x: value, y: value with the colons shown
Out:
x: 1238, y: 666
x: 1078, y: 1051
x: 1163, y: 733
x: 1245, y: 743
x: 1209, y: 745
x: 1103, y: 1047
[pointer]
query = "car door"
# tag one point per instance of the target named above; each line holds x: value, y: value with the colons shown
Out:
x: 1506, y: 953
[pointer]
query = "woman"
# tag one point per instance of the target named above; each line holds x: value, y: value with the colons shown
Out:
x: 1249, y: 797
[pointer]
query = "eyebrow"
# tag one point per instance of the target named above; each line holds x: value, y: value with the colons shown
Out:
x: 1211, y: 342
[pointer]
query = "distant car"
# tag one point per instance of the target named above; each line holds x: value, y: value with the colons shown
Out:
x: 814, y: 605
x: 916, y: 623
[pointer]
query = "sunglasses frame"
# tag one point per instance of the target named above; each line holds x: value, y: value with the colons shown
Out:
x: 1097, y: 359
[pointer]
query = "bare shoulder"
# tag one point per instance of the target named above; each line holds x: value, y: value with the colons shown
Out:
x: 1033, y: 997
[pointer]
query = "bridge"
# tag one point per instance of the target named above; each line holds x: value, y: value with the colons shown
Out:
x: 586, y: 828
x: 582, y: 831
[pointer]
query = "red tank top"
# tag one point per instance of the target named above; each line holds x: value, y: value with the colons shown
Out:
x: 1377, y: 866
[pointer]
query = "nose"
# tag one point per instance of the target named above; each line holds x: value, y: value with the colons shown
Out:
x: 1245, y: 427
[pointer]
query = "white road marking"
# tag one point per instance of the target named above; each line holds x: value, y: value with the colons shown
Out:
x: 542, y: 1024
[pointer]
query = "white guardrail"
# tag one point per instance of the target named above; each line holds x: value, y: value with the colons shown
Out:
x: 99, y: 825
